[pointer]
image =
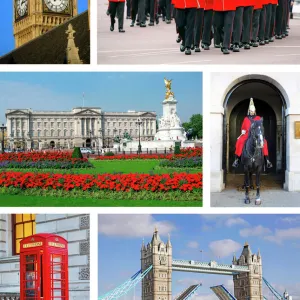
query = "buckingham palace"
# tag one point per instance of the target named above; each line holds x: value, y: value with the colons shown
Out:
x: 80, y: 127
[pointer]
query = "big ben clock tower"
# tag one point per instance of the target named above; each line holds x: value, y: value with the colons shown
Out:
x: 35, y: 17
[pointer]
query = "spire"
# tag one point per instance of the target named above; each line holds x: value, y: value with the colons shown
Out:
x: 234, y: 261
x: 251, y: 106
x: 169, y: 245
x: 143, y: 245
x: 247, y: 251
x: 258, y: 253
x: 72, y: 50
x: 156, y: 238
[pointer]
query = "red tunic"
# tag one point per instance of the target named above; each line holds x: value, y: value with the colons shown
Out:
x: 258, y: 4
x: 243, y: 138
x: 224, y: 5
x: 209, y: 4
x: 182, y: 4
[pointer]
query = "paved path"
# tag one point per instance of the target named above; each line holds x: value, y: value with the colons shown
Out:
x: 270, y: 198
x: 157, y: 45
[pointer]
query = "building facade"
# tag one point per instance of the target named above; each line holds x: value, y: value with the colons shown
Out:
x: 33, y: 18
x: 74, y: 228
x: 80, y: 127
x: 157, y: 285
x: 276, y: 97
x: 248, y: 285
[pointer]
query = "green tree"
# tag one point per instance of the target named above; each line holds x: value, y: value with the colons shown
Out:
x: 196, y: 124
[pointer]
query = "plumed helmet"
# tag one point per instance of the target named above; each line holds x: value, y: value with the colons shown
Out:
x: 251, y: 106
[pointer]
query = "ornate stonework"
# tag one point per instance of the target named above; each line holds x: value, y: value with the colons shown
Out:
x: 248, y: 285
x: 32, y: 18
x: 157, y: 285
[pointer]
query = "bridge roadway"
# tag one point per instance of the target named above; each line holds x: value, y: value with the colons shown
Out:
x: 211, y: 267
x: 187, y: 292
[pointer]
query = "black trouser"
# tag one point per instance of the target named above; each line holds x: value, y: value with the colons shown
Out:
x: 285, y: 15
x: 273, y: 17
x: 207, y: 23
x: 224, y: 19
x: 279, y: 16
x: 166, y: 8
x: 185, y: 19
x: 138, y: 7
x: 237, y: 25
x: 128, y: 8
x: 152, y: 4
x: 255, y: 24
x: 117, y: 8
x: 247, y: 24
x: 268, y: 21
x: 262, y: 24
x: 198, y: 26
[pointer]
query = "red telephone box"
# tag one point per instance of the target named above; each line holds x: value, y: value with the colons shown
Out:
x: 44, y: 267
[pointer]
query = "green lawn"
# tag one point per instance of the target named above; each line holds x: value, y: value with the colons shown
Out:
x: 124, y: 166
x: 9, y: 199
x: 36, y: 201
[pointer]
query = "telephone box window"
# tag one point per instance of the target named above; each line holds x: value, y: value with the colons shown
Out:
x: 23, y: 226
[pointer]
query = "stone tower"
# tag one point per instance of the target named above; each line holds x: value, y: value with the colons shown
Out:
x: 157, y: 285
x: 32, y: 18
x: 248, y: 285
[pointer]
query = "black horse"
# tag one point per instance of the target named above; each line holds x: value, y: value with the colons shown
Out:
x: 253, y: 158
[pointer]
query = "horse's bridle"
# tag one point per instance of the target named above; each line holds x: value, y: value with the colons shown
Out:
x: 256, y: 149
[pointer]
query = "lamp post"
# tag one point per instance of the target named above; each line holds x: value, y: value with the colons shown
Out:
x: 139, y: 123
x: 2, y: 128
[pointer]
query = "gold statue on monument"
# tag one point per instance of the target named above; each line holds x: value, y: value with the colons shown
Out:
x: 168, y: 85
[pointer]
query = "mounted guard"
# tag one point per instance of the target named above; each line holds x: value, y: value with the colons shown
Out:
x: 241, y: 140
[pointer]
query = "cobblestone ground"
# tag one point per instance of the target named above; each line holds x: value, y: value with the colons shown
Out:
x: 157, y: 45
x: 270, y: 198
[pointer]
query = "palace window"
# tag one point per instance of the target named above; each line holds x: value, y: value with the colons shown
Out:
x: 39, y: 124
x: 23, y: 226
x: 58, y: 124
x: 52, y: 124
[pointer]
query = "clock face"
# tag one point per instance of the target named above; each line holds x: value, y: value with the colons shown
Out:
x: 57, y: 5
x: 22, y: 7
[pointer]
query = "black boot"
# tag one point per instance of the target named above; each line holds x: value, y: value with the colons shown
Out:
x: 236, y: 162
x: 268, y: 163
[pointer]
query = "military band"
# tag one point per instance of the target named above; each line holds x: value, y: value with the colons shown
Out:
x: 233, y: 24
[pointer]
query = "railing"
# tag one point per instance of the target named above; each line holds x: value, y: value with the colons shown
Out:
x: 9, y: 296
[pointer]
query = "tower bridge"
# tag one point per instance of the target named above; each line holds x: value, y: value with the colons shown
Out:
x: 157, y: 266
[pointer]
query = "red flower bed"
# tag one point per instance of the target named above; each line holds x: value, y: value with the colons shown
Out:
x: 185, y: 152
x: 39, y: 156
x: 120, y: 182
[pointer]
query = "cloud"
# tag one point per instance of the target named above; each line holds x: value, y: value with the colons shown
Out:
x: 236, y: 221
x: 222, y: 220
x: 193, y: 245
x: 282, y: 235
x: 223, y: 248
x: 255, y: 231
x: 132, y: 225
x: 290, y: 219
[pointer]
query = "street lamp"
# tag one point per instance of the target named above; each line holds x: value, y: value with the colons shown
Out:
x: 2, y: 128
x: 139, y: 122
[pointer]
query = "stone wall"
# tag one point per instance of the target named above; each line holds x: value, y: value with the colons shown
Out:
x: 74, y: 228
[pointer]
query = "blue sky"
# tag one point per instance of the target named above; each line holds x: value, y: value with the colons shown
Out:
x: 218, y: 236
x: 113, y: 91
x: 7, y: 43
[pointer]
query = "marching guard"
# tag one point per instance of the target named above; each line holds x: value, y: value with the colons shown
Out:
x: 185, y: 21
x: 116, y: 7
x: 223, y: 22
x: 207, y: 24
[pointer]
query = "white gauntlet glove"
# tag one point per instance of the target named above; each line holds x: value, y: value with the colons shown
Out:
x: 243, y: 131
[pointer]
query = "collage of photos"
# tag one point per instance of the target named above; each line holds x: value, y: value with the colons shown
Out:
x: 149, y: 150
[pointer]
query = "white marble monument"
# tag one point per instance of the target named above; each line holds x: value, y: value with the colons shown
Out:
x: 169, y: 131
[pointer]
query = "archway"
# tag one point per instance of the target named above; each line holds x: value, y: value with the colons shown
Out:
x: 52, y: 144
x: 270, y: 104
x: 88, y: 143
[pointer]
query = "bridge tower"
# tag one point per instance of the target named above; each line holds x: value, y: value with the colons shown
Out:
x: 157, y: 285
x: 248, y: 286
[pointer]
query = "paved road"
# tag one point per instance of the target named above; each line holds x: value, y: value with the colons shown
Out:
x: 270, y: 198
x: 157, y: 45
